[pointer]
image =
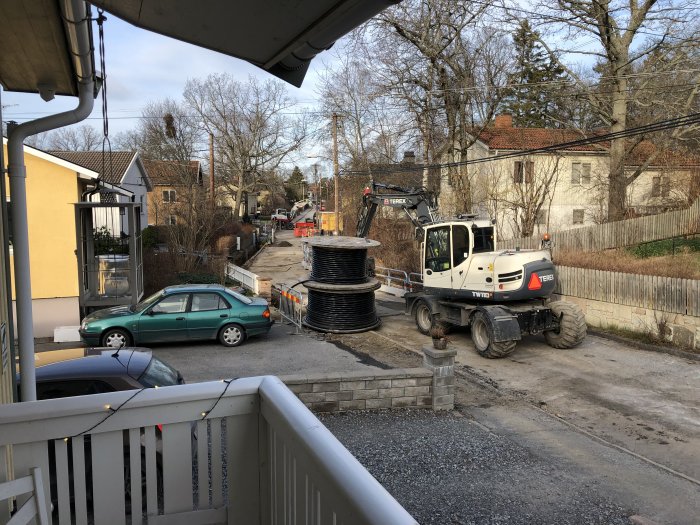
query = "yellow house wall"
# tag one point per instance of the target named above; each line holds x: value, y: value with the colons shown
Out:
x: 7, y: 368
x: 51, y: 192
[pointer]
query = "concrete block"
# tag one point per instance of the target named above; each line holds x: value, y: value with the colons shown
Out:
x: 444, y: 381
x: 410, y: 381
x: 424, y: 381
x: 444, y: 403
x: 312, y: 397
x: 352, y: 385
x: 444, y: 371
x: 402, y: 402
x: 300, y: 388
x: 443, y: 390
x: 355, y: 404
x: 326, y: 387
x: 323, y: 378
x: 294, y: 379
x: 326, y: 406
x: 377, y: 403
x: 417, y: 390
x: 339, y: 396
x: 424, y: 401
x: 391, y: 392
x: 365, y: 394
x: 378, y: 383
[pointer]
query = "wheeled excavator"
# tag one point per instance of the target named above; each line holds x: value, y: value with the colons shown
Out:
x: 502, y: 295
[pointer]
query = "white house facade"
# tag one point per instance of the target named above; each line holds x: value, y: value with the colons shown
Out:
x: 561, y: 189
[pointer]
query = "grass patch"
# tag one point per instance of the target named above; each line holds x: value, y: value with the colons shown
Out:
x: 678, y: 246
x: 685, y: 264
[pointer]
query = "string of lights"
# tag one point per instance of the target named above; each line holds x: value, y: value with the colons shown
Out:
x: 110, y: 410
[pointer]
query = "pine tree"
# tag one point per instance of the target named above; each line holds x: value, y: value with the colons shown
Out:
x: 294, y: 186
x: 535, y: 104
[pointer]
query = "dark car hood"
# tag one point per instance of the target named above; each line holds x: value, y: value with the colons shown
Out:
x: 116, y: 311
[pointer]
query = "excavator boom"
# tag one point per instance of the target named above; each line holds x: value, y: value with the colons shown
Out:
x: 418, y: 203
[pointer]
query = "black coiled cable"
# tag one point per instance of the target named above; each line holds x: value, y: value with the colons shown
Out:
x: 338, y: 266
x: 341, y: 311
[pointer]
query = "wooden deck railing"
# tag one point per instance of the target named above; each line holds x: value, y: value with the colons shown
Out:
x: 244, y: 452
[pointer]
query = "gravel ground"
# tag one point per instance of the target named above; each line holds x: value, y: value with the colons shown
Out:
x: 445, y: 469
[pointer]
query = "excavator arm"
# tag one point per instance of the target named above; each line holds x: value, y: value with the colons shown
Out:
x: 418, y: 203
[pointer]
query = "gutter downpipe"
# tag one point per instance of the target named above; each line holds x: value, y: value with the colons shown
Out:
x: 78, y: 31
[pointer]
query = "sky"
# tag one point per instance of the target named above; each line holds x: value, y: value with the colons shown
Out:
x: 143, y: 66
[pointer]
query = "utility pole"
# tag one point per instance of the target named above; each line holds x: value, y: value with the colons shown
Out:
x: 211, y: 171
x: 336, y: 173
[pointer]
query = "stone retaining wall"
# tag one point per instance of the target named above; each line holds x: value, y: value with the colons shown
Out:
x: 429, y: 387
x: 682, y: 330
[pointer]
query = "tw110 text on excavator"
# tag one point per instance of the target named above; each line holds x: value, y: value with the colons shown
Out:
x: 501, y: 295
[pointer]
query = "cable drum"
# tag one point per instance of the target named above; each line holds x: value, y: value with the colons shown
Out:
x: 338, y: 266
x: 341, y: 296
x: 341, y: 312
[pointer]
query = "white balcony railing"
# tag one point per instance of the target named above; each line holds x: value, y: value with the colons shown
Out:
x: 244, y: 452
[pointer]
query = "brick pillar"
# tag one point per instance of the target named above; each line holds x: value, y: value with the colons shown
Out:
x: 442, y: 364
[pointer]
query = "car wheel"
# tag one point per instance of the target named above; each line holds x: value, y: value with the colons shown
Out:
x: 116, y: 338
x: 232, y: 335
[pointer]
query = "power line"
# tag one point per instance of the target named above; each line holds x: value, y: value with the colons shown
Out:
x: 686, y: 120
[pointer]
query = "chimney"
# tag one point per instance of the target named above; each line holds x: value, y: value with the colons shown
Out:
x: 409, y: 157
x: 504, y: 121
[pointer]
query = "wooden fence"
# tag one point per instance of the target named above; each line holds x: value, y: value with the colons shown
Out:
x: 667, y: 294
x: 621, y: 233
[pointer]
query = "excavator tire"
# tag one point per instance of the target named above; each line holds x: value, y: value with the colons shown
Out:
x: 423, y: 316
x: 572, y: 326
x: 482, y: 336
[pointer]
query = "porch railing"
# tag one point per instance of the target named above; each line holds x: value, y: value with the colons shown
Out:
x: 244, y: 452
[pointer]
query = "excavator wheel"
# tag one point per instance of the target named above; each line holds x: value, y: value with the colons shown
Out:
x: 482, y: 336
x: 423, y: 316
x: 572, y: 326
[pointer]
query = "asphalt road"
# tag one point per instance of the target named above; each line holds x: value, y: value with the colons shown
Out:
x: 590, y: 435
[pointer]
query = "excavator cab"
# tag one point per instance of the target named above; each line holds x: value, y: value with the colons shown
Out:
x: 448, y: 248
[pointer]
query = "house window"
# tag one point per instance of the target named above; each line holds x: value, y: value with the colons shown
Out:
x: 171, y: 220
x: 578, y: 216
x: 580, y: 173
x: 523, y: 171
x: 169, y: 196
x: 541, y: 217
x: 660, y: 186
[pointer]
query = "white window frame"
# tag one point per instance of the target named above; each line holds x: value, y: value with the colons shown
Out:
x: 169, y: 196
x: 580, y: 173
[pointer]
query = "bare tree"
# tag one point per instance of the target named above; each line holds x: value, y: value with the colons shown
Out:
x: 252, y: 127
x: 75, y: 138
x: 625, y: 32
x: 169, y: 138
x: 459, y: 64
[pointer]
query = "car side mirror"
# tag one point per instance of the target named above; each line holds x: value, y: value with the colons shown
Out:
x: 149, y: 313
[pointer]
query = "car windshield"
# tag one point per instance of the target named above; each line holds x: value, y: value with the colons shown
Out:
x: 242, y: 298
x: 148, y: 301
x: 159, y: 373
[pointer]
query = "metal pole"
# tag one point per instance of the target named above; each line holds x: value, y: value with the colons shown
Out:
x: 336, y: 173
x: 76, y: 22
x: 211, y: 170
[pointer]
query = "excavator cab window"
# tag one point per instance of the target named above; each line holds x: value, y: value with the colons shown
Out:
x: 483, y: 239
x: 437, y: 249
x: 460, y: 244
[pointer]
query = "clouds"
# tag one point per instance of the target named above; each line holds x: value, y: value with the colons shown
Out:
x: 142, y: 66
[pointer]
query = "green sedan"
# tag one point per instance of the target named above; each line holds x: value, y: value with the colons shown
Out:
x: 180, y: 313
